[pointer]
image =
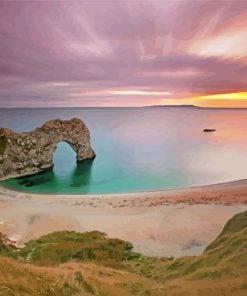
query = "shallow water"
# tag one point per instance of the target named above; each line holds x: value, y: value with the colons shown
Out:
x: 140, y: 149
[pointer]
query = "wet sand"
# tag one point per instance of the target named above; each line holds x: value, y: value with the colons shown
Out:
x: 161, y: 223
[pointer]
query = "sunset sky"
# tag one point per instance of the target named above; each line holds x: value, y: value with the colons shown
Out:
x: 123, y: 53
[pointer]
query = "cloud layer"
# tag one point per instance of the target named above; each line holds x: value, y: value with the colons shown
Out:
x: 94, y: 53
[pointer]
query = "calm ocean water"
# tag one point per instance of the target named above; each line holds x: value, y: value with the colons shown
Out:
x: 140, y: 149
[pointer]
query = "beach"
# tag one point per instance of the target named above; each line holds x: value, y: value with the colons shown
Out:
x: 171, y: 223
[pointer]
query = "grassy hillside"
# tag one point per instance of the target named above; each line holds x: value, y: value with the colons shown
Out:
x: 69, y: 279
x: 70, y: 263
x: 7, y: 248
x: 224, y: 260
x: 64, y: 246
x: 235, y: 224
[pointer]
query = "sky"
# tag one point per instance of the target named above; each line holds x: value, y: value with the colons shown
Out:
x: 123, y: 53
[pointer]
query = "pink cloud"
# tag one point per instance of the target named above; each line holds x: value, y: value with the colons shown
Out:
x: 51, y: 50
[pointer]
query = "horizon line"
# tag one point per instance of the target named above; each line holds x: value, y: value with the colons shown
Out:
x: 123, y: 107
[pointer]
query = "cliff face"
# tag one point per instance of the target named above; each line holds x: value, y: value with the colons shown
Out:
x: 31, y: 152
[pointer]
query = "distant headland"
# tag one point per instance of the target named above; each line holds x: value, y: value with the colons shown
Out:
x: 175, y: 106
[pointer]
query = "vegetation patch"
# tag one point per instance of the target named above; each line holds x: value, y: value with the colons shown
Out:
x: 235, y: 224
x: 61, y: 247
x: 3, y: 144
x: 208, y: 274
x: 175, y: 265
x: 6, y: 249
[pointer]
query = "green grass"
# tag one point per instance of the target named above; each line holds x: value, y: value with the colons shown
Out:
x: 235, y: 224
x: 6, y: 249
x: 64, y: 246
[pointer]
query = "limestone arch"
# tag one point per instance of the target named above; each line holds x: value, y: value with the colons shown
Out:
x: 31, y: 152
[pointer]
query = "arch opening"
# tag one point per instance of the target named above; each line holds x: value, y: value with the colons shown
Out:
x: 64, y: 159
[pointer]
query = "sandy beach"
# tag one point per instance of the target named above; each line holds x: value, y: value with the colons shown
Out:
x: 162, y: 223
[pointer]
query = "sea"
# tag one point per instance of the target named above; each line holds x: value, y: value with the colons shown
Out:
x: 139, y: 149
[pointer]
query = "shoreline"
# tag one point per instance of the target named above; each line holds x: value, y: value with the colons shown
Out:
x: 171, y: 195
x: 177, y: 222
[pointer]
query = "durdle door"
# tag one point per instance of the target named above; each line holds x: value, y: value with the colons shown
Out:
x: 29, y: 153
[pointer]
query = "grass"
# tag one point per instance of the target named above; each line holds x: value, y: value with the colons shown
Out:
x: 229, y: 259
x: 64, y: 246
x: 235, y: 224
x: 5, y: 248
x: 71, y: 263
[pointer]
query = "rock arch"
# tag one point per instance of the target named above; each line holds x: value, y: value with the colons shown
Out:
x: 28, y: 153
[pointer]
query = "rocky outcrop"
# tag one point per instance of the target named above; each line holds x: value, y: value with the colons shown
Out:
x: 31, y: 152
x: 209, y: 130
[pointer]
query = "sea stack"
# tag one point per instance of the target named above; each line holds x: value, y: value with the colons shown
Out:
x: 29, y: 153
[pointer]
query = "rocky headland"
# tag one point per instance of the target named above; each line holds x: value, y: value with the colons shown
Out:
x: 28, y: 153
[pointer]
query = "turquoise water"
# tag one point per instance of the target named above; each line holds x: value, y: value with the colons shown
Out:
x: 139, y: 149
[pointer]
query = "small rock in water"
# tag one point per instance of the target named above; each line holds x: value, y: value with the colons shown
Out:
x: 208, y: 130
